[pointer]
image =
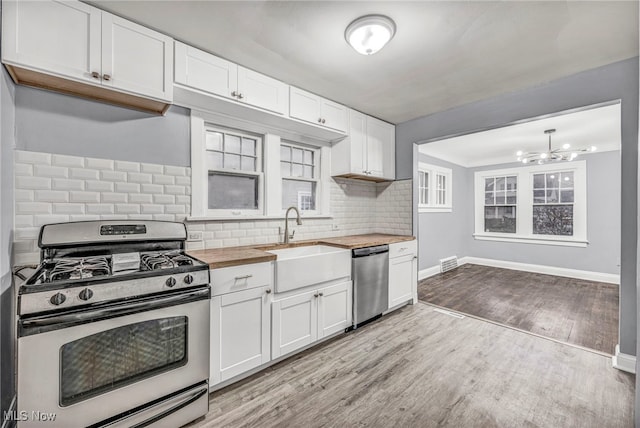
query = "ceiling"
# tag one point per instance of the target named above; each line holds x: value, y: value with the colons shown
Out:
x: 444, y: 53
x: 598, y: 127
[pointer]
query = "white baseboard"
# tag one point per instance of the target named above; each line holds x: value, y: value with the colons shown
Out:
x: 426, y: 273
x: 547, y: 270
x: 624, y: 362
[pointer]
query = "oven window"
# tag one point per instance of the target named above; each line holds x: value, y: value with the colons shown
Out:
x: 114, y: 358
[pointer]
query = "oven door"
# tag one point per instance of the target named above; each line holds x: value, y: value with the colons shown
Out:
x: 89, y: 372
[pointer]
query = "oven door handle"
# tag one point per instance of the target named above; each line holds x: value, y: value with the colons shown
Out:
x: 189, y: 400
x: 44, y: 323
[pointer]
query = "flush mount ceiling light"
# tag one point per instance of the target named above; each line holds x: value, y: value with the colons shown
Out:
x: 555, y: 155
x: 368, y: 34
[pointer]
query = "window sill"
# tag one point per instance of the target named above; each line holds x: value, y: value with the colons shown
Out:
x: 254, y: 218
x: 435, y: 209
x: 564, y: 242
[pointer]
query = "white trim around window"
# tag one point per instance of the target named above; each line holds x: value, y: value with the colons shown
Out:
x: 525, y: 202
x: 435, y: 188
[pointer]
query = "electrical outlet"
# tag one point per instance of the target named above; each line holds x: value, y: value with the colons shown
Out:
x: 194, y: 236
x: 335, y: 227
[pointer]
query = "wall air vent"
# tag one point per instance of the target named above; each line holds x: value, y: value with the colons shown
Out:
x: 448, y: 264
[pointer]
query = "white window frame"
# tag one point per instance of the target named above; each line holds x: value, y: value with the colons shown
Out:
x: 270, y: 193
x: 524, y: 207
x: 317, y: 179
x: 434, y: 172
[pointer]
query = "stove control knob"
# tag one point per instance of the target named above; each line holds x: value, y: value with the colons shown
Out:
x: 170, y: 282
x: 188, y: 279
x: 57, y: 299
x: 85, y: 294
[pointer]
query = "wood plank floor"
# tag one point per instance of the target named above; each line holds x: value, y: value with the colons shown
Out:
x: 421, y: 368
x: 578, y: 312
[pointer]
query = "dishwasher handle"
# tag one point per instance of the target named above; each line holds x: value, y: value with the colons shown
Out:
x: 369, y: 251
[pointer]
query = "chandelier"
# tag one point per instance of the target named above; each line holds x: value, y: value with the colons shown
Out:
x: 566, y: 153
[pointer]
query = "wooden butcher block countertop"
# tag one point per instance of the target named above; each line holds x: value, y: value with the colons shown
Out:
x: 234, y: 256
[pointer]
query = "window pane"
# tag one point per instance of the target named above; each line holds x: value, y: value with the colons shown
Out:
x: 248, y: 163
x: 296, y: 155
x: 552, y: 181
x: 425, y: 197
x: 500, y: 198
x: 538, y: 181
x: 229, y: 191
x: 213, y: 140
x: 566, y: 196
x: 553, y: 219
x: 296, y: 170
x: 231, y: 161
x: 512, y: 183
x: 248, y: 146
x: 232, y: 143
x: 285, y: 169
x: 285, y: 153
x: 511, y: 197
x: 308, y: 157
x: 538, y: 196
x: 301, y: 194
x: 500, y: 219
x: 307, y: 171
x: 500, y: 183
x: 566, y: 180
x: 214, y: 160
x: 488, y: 198
x: 489, y: 184
x: 552, y: 196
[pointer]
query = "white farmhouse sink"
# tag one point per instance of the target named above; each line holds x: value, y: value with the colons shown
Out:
x: 300, y: 267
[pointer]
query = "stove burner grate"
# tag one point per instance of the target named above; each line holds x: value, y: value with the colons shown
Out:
x: 79, y: 268
x: 164, y: 260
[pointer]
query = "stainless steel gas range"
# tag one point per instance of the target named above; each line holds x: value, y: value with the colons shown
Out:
x: 113, y: 328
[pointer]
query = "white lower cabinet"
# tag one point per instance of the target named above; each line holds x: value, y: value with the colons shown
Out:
x: 302, y: 319
x: 240, y: 329
x: 403, y: 273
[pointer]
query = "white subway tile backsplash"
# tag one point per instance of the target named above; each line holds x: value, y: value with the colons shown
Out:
x: 85, y: 197
x: 69, y: 161
x: 183, y: 199
x: 127, y: 166
x: 100, y: 209
x: 127, y: 187
x: 64, y: 184
x: 23, y: 195
x: 140, y: 198
x: 166, y: 217
x: 164, y: 199
x: 175, y: 209
x: 51, y: 196
x: 152, y: 188
x: 114, y: 198
x: 66, y: 208
x: 174, y: 190
x: 152, y: 209
x: 138, y: 177
x: 23, y: 169
x: 95, y: 163
x: 183, y: 181
x: 165, y: 179
x: 99, y: 186
x: 175, y: 170
x: 22, y: 220
x: 33, y: 208
x: 151, y: 168
x: 32, y: 157
x: 51, y: 171
x: 113, y: 175
x: 39, y: 220
x: 32, y: 182
x: 84, y: 174
x: 127, y: 209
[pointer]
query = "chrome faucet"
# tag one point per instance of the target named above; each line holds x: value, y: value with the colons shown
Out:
x: 286, y: 223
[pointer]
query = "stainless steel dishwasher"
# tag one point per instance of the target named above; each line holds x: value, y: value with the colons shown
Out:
x: 370, y: 267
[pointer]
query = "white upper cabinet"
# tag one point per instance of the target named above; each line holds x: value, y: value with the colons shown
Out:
x: 54, y: 44
x: 58, y: 37
x: 368, y: 152
x: 320, y: 111
x: 208, y: 73
x: 136, y: 59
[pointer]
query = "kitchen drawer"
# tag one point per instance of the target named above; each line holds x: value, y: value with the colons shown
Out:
x: 243, y: 277
x: 402, y: 248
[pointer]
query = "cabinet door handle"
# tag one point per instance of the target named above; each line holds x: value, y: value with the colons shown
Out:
x: 234, y: 94
x: 319, y: 120
x: 243, y: 277
x: 323, y: 120
x: 315, y: 295
x: 268, y: 291
x: 95, y: 75
x: 415, y: 257
x: 240, y: 96
x: 106, y: 77
x: 403, y: 249
x: 321, y: 294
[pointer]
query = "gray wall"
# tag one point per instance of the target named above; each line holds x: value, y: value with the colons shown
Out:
x: 614, y: 81
x: 56, y: 123
x: 7, y: 306
x: 446, y: 234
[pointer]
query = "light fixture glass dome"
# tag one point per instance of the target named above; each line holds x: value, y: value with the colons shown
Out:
x: 368, y: 34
